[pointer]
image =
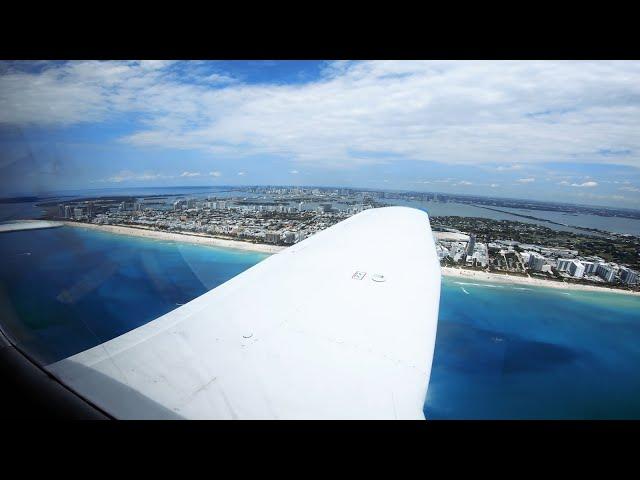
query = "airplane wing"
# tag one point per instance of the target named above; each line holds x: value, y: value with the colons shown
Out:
x: 339, y: 326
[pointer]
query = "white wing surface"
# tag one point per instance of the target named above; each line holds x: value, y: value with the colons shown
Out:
x: 339, y: 326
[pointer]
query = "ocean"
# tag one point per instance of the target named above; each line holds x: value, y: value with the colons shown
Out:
x: 501, y: 351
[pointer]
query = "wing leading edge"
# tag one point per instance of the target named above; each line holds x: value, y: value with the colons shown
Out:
x: 339, y: 326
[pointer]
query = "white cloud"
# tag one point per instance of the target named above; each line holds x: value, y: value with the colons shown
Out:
x: 503, y: 168
x: 465, y: 112
x: 585, y: 184
x: 221, y: 79
x: 127, y: 175
x: 294, y: 172
x: 526, y: 180
x: 215, y: 174
x: 241, y: 174
x: 630, y: 189
x: 190, y: 174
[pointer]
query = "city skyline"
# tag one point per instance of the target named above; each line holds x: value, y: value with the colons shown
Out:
x: 541, y: 130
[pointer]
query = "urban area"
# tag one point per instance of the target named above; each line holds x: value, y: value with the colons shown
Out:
x: 287, y: 215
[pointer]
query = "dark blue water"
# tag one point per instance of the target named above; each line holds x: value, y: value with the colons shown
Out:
x: 508, y: 352
x: 64, y: 290
x: 501, y: 352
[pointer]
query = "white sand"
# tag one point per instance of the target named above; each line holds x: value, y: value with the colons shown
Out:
x: 537, y: 282
x: 196, y: 238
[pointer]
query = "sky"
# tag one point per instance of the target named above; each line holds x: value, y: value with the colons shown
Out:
x: 564, y: 131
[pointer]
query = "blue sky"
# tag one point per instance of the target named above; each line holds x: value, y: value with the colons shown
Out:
x: 565, y: 131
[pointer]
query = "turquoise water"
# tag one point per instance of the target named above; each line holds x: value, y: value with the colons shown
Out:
x: 501, y: 352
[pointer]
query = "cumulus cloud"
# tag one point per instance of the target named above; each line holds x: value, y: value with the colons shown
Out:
x: 294, y: 172
x: 127, y: 175
x: 526, y: 180
x: 503, y: 168
x: 215, y: 174
x: 589, y: 184
x: 190, y: 174
x: 356, y: 113
x: 221, y: 79
x: 241, y: 174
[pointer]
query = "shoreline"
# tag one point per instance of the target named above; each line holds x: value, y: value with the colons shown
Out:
x: 533, y: 282
x: 200, y: 239
x: 183, y: 237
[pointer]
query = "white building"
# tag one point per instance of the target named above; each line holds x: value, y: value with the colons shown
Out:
x: 576, y: 269
x: 606, y: 272
x: 628, y: 276
x: 536, y: 262
x: 563, y: 264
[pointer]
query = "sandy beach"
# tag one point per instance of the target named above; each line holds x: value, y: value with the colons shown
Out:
x: 179, y: 237
x: 536, y: 282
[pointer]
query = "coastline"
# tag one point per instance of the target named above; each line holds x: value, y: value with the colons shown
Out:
x: 194, y: 238
x: 200, y: 239
x: 534, y: 282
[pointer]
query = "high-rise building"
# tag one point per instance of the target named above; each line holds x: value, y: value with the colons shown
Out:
x: 471, y: 244
x: 628, y: 276
x: 272, y: 237
x: 536, y: 262
x: 563, y: 264
x: 606, y: 272
x: 576, y: 269
x: 590, y: 267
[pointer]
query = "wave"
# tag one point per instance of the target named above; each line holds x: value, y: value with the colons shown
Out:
x: 479, y: 284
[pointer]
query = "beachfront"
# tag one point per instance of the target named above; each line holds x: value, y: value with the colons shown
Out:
x: 180, y: 237
x: 536, y: 282
x: 264, y: 248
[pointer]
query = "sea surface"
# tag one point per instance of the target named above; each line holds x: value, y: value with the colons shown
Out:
x: 501, y: 351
